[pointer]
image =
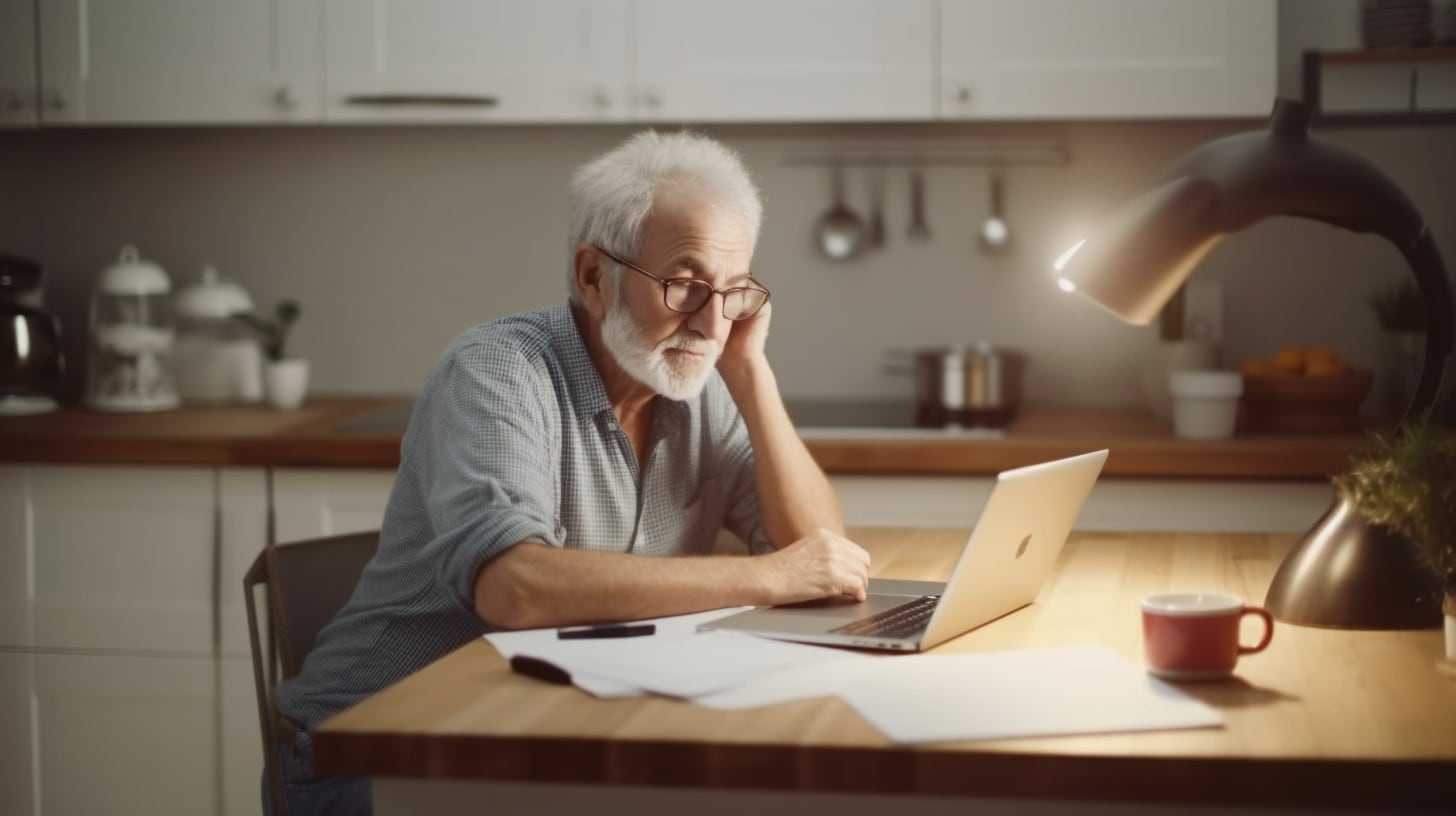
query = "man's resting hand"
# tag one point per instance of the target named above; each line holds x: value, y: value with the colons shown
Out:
x: 822, y: 564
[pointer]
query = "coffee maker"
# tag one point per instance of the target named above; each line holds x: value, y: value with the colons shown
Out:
x: 31, y: 362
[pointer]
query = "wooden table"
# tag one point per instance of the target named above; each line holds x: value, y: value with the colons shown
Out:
x: 1323, y: 718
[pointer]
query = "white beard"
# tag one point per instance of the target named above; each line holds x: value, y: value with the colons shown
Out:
x: 649, y: 364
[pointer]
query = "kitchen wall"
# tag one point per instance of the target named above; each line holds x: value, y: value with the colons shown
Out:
x: 395, y: 239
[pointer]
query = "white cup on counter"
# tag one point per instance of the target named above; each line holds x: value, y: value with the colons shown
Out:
x: 1205, y: 402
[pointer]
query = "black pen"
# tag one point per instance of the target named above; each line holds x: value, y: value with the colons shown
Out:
x: 605, y: 630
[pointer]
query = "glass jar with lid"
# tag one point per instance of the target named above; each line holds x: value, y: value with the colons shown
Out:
x: 132, y: 333
x: 218, y: 358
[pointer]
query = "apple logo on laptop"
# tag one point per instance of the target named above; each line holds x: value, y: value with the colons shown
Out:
x: 1021, y: 548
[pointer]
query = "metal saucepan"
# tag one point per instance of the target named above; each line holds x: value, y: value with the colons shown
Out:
x: 972, y: 386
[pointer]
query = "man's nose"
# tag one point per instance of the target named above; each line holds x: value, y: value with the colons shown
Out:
x: 708, y: 320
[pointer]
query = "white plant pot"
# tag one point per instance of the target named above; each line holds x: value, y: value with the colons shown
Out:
x: 285, y: 382
x: 1449, y: 606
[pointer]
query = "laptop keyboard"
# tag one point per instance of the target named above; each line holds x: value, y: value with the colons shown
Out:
x: 902, y: 621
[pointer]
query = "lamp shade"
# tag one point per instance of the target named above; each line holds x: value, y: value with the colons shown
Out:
x: 1343, y: 573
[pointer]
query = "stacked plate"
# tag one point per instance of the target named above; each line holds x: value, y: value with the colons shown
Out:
x: 1395, y: 23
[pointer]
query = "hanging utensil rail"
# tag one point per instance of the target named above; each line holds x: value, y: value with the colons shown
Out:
x: 1003, y: 154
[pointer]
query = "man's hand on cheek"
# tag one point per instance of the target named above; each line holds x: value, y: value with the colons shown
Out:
x: 746, y: 340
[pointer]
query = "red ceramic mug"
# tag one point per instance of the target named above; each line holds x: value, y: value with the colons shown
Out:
x: 1195, y: 636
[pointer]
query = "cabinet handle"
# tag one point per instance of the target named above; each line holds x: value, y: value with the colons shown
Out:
x: 14, y: 101
x: 55, y: 100
x: 421, y: 100
x: 652, y: 98
x: 285, y: 98
x: 601, y: 97
x: 963, y: 93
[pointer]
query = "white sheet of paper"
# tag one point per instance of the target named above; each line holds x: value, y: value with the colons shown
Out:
x: 509, y: 644
x: 1025, y: 693
x: 681, y: 665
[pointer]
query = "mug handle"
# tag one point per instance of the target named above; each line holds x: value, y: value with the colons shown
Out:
x: 1268, y: 630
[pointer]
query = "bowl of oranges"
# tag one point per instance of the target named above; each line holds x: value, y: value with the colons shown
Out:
x: 1304, y: 389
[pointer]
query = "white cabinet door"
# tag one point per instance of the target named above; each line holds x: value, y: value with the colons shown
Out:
x: 769, y: 60
x: 1067, y: 59
x: 179, y: 61
x: 476, y: 60
x: 17, y: 790
x: 314, y: 502
x: 18, y: 83
x: 125, y: 735
x: 242, y: 532
x: 242, y: 741
x: 123, y: 558
x: 15, y: 557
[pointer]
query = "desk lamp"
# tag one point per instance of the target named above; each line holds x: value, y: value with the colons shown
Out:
x: 1343, y: 573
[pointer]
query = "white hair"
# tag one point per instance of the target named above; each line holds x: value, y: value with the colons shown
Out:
x: 612, y: 195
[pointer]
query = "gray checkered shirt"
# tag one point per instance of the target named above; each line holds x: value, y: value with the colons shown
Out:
x: 513, y: 439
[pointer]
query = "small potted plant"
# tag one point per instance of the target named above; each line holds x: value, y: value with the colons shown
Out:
x: 285, y: 379
x: 1408, y: 484
x: 1400, y: 309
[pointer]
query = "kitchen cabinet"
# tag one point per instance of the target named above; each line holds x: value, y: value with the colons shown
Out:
x: 126, y: 734
x: 179, y: 61
x: 18, y: 82
x: 768, y: 60
x: 314, y: 502
x: 477, y: 61
x: 125, y: 674
x: 1106, y: 59
x: 17, y: 786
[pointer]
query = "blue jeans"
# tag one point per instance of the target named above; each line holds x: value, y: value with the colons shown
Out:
x: 316, y: 796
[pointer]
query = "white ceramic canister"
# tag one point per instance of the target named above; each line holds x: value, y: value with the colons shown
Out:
x: 1205, y: 402
x: 218, y: 358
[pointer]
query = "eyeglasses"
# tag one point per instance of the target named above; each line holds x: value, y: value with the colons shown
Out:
x: 687, y: 295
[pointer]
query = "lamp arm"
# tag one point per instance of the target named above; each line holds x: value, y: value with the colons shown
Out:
x: 1424, y: 258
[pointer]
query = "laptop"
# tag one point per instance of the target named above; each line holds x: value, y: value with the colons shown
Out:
x: 1002, y: 566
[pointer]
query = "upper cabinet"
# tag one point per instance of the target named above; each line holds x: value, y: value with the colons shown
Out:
x: 477, y: 60
x: 178, y: 61
x: 1107, y: 59
x: 769, y: 60
x: 18, y: 82
x: 588, y: 61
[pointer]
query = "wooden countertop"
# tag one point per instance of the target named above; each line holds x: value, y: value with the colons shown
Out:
x: 1323, y: 718
x: 310, y: 437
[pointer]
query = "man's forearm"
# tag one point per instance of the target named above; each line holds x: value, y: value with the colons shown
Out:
x: 794, y: 495
x: 534, y: 585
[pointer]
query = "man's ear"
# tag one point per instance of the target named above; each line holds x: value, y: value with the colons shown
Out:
x: 591, y: 280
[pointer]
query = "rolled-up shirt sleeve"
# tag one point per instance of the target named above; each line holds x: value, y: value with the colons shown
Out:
x: 490, y: 439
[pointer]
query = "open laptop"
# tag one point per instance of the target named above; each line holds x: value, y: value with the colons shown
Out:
x: 1002, y: 566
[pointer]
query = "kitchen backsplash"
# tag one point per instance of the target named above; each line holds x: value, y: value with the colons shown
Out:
x: 396, y: 239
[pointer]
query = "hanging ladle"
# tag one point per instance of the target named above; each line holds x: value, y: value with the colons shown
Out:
x: 839, y: 233
x: 995, y: 234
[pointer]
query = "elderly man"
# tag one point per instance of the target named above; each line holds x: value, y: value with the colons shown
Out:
x: 550, y: 451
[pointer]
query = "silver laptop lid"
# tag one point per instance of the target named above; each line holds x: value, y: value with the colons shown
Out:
x: 1015, y: 544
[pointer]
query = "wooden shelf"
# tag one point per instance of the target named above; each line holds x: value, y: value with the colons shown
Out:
x: 1443, y: 53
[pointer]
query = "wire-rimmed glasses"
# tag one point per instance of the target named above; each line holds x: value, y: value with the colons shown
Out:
x: 687, y: 295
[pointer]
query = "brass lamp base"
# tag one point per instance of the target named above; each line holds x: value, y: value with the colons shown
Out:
x: 1346, y: 574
